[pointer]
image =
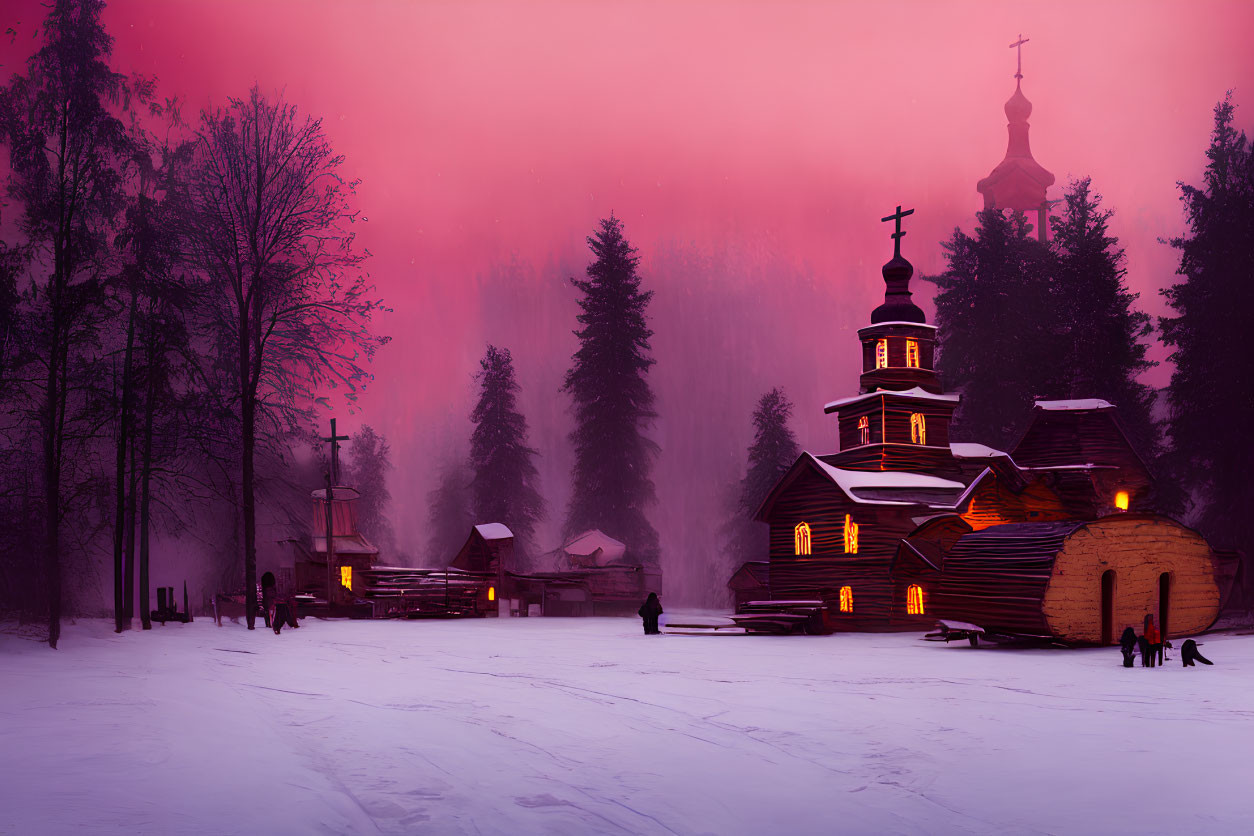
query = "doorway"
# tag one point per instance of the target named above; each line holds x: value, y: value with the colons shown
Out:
x: 1108, y: 607
x: 1164, y: 603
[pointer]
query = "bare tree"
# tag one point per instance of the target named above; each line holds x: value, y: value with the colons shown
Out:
x: 268, y: 223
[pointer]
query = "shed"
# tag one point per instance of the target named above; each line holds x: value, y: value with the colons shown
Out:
x: 1076, y: 582
x: 751, y: 582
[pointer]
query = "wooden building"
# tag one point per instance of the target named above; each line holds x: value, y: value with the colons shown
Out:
x: 351, y: 554
x: 871, y: 530
x: 749, y: 583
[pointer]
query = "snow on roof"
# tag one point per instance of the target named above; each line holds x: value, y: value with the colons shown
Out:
x: 1081, y: 403
x: 338, y: 492
x: 345, y: 544
x: 971, y: 450
x: 587, y: 543
x: 916, y: 392
x: 850, y: 481
x: 494, y: 531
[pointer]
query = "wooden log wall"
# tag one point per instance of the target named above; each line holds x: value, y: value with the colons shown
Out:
x: 997, y: 577
x: 816, y: 501
x: 1139, y: 549
x: 994, y: 503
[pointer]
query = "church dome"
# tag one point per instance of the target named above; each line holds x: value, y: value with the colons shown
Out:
x: 1018, y: 108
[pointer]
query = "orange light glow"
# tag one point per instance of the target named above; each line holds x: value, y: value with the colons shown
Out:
x: 801, y: 538
x: 864, y: 430
x: 491, y: 593
x: 914, y: 599
x: 346, y: 577
x: 846, y: 599
x: 881, y: 354
x: 1121, y: 500
x: 851, y: 535
x: 912, y: 353
x: 918, y: 428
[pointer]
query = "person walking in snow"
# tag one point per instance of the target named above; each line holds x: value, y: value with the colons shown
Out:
x: 1127, y: 645
x: 649, y: 611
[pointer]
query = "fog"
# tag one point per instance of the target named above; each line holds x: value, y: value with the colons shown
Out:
x: 750, y: 149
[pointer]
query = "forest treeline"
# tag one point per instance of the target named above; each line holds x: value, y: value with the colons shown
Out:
x: 176, y: 297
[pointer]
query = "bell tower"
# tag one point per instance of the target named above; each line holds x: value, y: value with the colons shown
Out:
x: 900, y: 421
x: 1019, y: 181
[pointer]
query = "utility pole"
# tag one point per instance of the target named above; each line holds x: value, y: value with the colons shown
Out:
x: 332, y: 476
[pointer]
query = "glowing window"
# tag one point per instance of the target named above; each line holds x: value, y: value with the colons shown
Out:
x: 864, y: 430
x: 846, y: 599
x: 881, y: 354
x: 491, y: 593
x: 912, y: 353
x: 914, y: 599
x: 918, y: 428
x: 1121, y: 500
x: 346, y: 577
x: 851, y: 535
x: 801, y: 538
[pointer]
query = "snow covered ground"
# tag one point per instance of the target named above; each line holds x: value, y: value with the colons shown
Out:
x: 576, y: 726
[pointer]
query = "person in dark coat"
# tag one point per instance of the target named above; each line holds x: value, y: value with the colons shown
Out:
x: 1189, y: 654
x: 649, y: 611
x: 1143, y: 645
x: 1127, y: 645
x: 269, y: 594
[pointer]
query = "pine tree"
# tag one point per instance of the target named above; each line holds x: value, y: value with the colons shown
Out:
x: 999, y: 340
x: 613, y: 402
x: 1212, y: 408
x: 449, y: 515
x: 503, y: 488
x: 1102, y: 333
x: 372, y: 459
x: 66, y: 147
x: 773, y: 451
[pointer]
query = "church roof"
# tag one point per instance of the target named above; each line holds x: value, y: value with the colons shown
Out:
x: 916, y: 392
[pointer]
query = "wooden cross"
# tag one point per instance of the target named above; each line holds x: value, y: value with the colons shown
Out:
x: 334, y: 440
x: 897, y: 236
x: 1019, y: 46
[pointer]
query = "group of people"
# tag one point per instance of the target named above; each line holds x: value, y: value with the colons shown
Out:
x: 1151, y: 645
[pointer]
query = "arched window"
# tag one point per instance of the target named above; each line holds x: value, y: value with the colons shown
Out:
x: 881, y: 354
x: 1121, y: 500
x: 912, y: 353
x: 918, y: 428
x: 851, y: 535
x: 864, y: 430
x: 846, y: 599
x: 801, y: 538
x: 914, y: 599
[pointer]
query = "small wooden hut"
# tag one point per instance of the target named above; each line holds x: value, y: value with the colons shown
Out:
x: 1073, y: 581
x: 751, y: 582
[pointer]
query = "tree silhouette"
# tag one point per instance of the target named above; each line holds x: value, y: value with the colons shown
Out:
x: 503, y: 485
x: 613, y: 402
x: 1212, y: 410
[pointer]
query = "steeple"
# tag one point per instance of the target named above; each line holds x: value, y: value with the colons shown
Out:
x: 897, y: 306
x: 1019, y: 181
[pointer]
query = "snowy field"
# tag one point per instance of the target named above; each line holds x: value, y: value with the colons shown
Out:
x: 566, y: 726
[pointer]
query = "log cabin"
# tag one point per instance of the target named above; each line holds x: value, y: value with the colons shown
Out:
x: 886, y: 530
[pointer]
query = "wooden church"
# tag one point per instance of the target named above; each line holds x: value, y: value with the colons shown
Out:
x: 1056, y: 538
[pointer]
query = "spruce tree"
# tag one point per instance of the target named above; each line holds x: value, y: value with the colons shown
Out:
x: 773, y: 451
x: 999, y: 340
x: 449, y: 514
x: 1102, y: 333
x: 372, y: 459
x: 1212, y: 408
x: 503, y: 487
x: 612, y: 483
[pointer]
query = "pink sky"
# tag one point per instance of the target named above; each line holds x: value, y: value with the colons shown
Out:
x: 778, y: 133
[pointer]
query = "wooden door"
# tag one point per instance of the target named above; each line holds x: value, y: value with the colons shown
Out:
x: 1108, y: 607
